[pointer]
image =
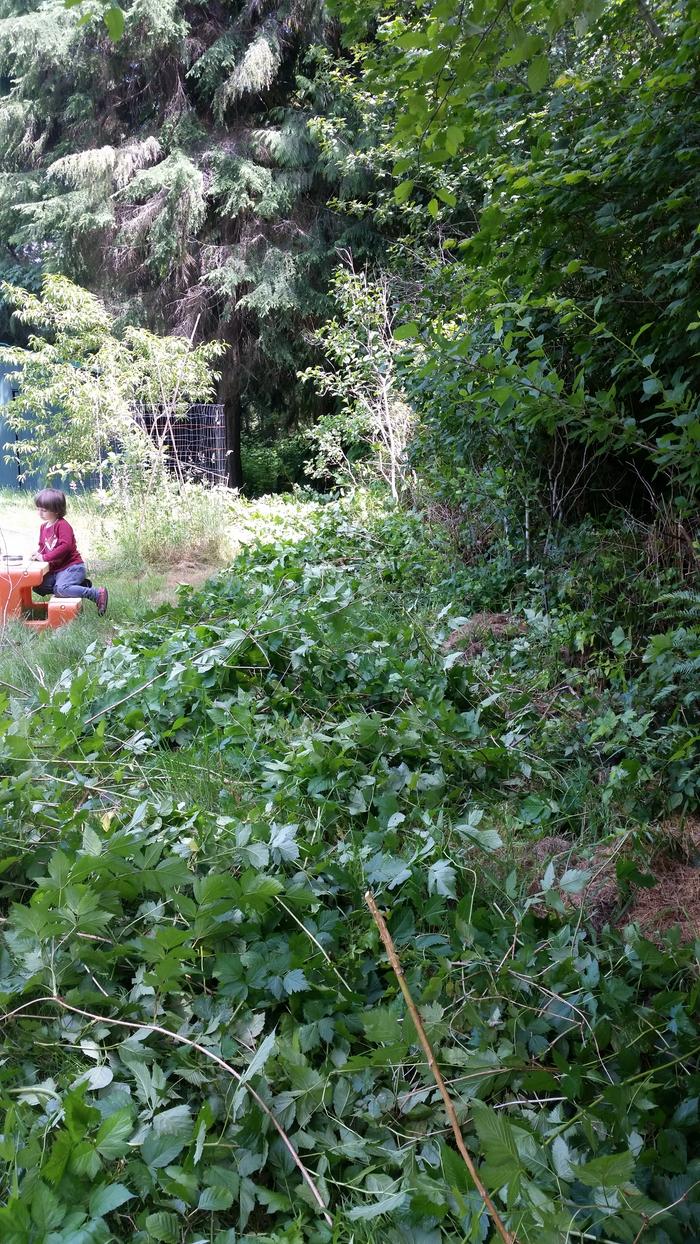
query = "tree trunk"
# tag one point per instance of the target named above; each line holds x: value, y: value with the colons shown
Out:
x: 230, y: 396
x: 232, y: 409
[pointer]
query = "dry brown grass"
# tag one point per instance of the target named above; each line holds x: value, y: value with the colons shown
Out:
x: 675, y: 899
x: 474, y: 634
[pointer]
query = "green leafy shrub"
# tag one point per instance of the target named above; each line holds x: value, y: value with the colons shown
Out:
x: 274, y: 468
x: 81, y: 384
x: 261, y: 469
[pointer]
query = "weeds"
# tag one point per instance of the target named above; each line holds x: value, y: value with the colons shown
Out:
x: 164, y: 523
x: 192, y: 818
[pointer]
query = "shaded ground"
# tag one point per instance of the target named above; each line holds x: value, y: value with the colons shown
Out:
x: 471, y: 637
x: 599, y: 895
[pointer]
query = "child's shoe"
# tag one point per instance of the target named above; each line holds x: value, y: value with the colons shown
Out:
x: 101, y: 602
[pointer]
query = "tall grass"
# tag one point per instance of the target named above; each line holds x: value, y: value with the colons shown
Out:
x: 30, y: 660
x: 161, y: 523
x: 197, y: 775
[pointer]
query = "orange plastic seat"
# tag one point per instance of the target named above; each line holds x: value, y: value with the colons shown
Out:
x: 17, y: 578
x: 56, y: 612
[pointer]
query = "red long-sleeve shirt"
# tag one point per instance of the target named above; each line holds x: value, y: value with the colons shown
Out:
x: 57, y: 545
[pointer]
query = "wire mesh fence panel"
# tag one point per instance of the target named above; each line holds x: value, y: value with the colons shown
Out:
x: 194, y: 446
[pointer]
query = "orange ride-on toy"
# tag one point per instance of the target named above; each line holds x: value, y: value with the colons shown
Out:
x: 17, y: 578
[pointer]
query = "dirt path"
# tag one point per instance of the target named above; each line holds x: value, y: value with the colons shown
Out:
x: 193, y: 573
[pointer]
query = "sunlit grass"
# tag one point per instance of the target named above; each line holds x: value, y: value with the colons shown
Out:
x: 137, y: 571
x: 30, y: 660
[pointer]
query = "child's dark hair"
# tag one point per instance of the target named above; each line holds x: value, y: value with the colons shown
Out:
x: 51, y: 499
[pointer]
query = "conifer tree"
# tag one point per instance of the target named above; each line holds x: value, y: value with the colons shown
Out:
x: 182, y: 172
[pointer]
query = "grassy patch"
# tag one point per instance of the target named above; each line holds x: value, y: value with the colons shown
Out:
x: 139, y: 555
x: 197, y: 776
x: 30, y: 660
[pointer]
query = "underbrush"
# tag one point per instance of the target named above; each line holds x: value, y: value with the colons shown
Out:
x: 192, y: 818
x: 160, y: 522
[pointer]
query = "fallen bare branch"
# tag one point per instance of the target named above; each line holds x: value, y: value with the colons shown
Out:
x: 437, y: 1075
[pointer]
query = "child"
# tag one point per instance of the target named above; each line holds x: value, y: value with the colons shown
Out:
x: 64, y: 570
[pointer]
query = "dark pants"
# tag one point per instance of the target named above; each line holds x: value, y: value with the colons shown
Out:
x: 67, y: 582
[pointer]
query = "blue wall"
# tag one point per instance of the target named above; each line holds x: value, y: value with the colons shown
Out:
x: 9, y: 471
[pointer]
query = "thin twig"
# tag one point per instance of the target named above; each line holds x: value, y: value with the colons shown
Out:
x: 135, y: 691
x: 193, y: 1045
x: 666, y: 1209
x: 316, y: 942
x: 432, y: 1063
x: 650, y: 21
x: 11, y: 686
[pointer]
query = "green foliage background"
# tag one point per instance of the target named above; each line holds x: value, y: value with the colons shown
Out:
x: 192, y: 815
x: 183, y: 173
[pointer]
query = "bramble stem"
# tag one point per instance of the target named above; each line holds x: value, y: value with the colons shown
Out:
x: 437, y: 1075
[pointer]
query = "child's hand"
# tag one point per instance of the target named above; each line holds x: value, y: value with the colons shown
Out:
x: 35, y: 556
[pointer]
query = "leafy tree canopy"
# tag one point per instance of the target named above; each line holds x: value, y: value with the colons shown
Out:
x: 551, y: 153
x: 81, y: 384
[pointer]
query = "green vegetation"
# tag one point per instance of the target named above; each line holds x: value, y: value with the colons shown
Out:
x: 548, y: 272
x: 184, y: 173
x: 196, y: 812
x: 30, y: 662
x: 80, y: 387
x: 141, y: 543
x: 451, y: 251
